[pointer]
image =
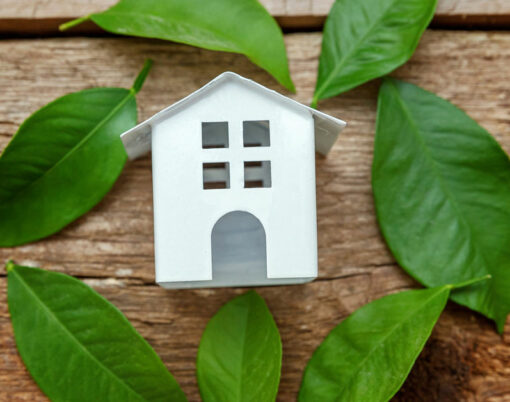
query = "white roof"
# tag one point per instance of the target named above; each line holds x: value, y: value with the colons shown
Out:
x: 137, y: 140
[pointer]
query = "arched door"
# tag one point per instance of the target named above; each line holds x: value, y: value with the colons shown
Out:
x: 238, y: 245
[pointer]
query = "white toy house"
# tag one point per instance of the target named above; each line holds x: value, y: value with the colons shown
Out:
x: 234, y: 185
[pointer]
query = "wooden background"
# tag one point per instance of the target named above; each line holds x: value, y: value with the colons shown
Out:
x: 111, y: 248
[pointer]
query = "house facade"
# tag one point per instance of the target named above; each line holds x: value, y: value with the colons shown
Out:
x: 234, y: 187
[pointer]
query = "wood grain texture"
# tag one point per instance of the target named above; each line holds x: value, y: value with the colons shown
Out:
x: 111, y: 248
x: 28, y: 17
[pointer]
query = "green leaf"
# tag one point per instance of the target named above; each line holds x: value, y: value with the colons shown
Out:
x: 77, y: 346
x: 63, y: 160
x: 442, y: 194
x: 240, y: 354
x: 366, y: 39
x: 226, y: 25
x: 368, y: 356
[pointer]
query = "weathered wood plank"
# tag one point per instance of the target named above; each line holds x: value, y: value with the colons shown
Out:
x: 111, y: 247
x: 44, y: 16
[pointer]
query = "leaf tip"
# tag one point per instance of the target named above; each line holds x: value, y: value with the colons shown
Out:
x: 252, y: 293
x: 142, y: 75
x: 251, y: 296
x: 9, y: 266
x: 291, y: 87
x: 387, y: 80
x: 500, y: 325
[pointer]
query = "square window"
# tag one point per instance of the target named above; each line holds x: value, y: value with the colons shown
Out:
x: 257, y: 174
x: 256, y: 133
x: 216, y: 175
x: 215, y: 134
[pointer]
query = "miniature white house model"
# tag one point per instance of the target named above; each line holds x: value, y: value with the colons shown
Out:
x: 234, y: 185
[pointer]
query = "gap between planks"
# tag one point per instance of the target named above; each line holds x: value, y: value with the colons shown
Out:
x: 42, y: 17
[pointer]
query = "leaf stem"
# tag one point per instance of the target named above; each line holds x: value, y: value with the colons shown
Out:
x: 471, y: 282
x: 69, y: 24
x: 140, y: 79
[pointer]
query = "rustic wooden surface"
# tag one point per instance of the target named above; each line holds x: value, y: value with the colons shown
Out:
x: 44, y: 16
x: 111, y: 248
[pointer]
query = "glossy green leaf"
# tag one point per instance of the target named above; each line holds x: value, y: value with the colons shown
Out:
x: 240, y: 354
x: 366, y: 39
x: 442, y: 194
x: 226, y: 25
x: 79, y: 347
x: 368, y: 356
x: 63, y: 160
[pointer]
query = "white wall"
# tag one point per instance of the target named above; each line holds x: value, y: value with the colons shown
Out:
x: 185, y: 213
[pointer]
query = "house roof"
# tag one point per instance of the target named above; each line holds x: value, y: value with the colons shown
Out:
x: 137, y: 140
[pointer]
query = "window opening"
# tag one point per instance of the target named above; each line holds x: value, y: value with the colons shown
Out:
x: 215, y: 135
x: 256, y: 133
x: 257, y: 174
x: 216, y: 175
